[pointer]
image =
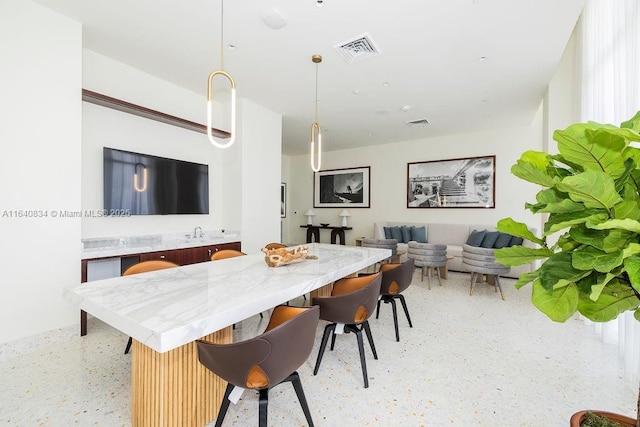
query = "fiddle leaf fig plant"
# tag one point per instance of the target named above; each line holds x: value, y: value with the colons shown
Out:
x: 591, y: 196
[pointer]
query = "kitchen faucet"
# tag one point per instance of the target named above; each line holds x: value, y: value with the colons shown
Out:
x: 196, y: 234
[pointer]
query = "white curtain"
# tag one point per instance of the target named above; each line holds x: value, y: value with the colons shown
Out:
x: 610, y: 76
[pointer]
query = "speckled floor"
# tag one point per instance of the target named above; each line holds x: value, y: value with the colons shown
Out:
x: 468, y: 361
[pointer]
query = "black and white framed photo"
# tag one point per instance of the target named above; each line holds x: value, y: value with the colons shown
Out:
x: 283, y: 200
x: 454, y: 183
x: 341, y: 188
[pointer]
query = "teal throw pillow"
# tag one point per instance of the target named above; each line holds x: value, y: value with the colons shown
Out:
x: 406, y: 233
x: 516, y: 241
x: 387, y: 232
x: 475, y: 238
x: 502, y: 241
x: 489, y: 239
x: 419, y: 234
x: 396, y: 233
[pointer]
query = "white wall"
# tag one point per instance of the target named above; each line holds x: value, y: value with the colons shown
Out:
x: 40, y: 83
x: 389, y: 181
x: 261, y: 176
x: 104, y: 127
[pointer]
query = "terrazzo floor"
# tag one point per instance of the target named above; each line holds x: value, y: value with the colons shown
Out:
x: 468, y: 361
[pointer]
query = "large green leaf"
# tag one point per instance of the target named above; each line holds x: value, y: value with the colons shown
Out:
x: 520, y: 255
x: 590, y: 258
x: 526, y: 278
x: 627, y: 209
x: 553, y: 201
x: 519, y: 229
x: 531, y: 173
x: 558, y: 304
x: 557, y: 222
x: 615, y: 298
x: 605, y: 240
x: 633, y: 123
x: 587, y: 145
x: 621, y: 224
x: 632, y: 266
x: 558, y: 271
x: 594, y: 189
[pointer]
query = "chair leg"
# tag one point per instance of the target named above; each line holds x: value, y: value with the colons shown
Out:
x: 224, y: 405
x: 439, y: 277
x: 126, y: 350
x: 395, y: 317
x: 367, y: 330
x: 378, y: 307
x: 263, y: 404
x: 363, y: 361
x: 323, y: 344
x: 474, y: 277
x: 404, y: 306
x: 297, y: 385
x: 497, y: 279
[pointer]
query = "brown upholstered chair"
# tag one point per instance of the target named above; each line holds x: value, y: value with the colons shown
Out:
x: 226, y: 253
x: 143, y: 267
x: 267, y: 360
x: 396, y: 278
x: 350, y: 305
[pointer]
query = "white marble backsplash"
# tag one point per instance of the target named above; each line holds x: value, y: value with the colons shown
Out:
x: 99, y: 247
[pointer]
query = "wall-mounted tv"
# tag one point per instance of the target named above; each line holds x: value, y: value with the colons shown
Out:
x: 142, y: 184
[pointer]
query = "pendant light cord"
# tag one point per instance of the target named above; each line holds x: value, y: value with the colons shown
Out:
x: 222, y: 34
x: 316, y: 112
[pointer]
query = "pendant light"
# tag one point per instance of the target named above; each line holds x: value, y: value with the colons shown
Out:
x: 232, y: 83
x: 316, y: 133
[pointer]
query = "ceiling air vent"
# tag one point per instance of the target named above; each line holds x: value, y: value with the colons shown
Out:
x: 418, y: 123
x: 358, y: 49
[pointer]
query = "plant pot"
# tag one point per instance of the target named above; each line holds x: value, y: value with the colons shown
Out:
x: 578, y: 417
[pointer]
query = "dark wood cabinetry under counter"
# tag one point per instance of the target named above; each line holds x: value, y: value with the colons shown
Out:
x: 181, y: 256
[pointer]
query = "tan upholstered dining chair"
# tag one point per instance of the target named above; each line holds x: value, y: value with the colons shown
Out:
x: 267, y: 360
x: 351, y: 303
x: 143, y: 267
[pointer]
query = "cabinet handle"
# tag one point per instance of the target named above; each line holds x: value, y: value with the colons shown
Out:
x: 217, y: 249
x: 209, y: 251
x: 161, y: 256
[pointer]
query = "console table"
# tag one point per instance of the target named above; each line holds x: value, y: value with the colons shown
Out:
x: 337, y: 233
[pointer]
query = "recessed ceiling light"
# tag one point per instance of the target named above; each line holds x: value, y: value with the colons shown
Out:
x: 356, y: 91
x: 385, y: 83
x: 405, y: 108
x: 231, y: 46
x: 482, y: 58
x: 274, y: 21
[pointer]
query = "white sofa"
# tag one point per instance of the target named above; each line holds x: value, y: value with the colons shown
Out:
x: 452, y: 235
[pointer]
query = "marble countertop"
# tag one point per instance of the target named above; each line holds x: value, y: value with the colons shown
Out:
x: 127, y: 245
x: 169, y: 308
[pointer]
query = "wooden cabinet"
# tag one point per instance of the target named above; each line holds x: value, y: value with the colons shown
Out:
x: 188, y: 255
x: 207, y: 251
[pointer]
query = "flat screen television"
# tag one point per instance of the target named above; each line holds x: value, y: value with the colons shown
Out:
x: 143, y: 184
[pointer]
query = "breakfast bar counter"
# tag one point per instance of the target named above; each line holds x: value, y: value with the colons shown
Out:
x: 166, y: 311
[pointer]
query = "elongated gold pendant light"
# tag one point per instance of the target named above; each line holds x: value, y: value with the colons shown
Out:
x: 232, y: 82
x: 316, y: 133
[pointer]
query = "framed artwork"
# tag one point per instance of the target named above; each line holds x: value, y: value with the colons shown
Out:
x: 341, y: 188
x: 283, y: 200
x: 456, y: 183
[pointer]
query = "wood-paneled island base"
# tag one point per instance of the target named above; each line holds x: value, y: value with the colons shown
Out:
x: 166, y: 311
